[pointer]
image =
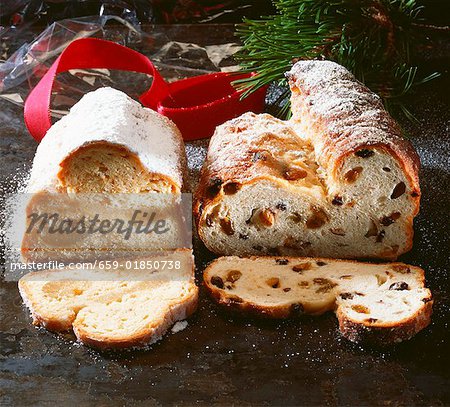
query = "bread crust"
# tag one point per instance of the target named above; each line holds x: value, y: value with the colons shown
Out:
x: 377, y: 334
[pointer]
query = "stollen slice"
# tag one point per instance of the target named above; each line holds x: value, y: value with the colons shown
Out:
x: 374, y: 303
x: 132, y: 305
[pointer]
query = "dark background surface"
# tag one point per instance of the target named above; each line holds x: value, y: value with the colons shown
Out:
x: 42, y: 12
x: 222, y: 360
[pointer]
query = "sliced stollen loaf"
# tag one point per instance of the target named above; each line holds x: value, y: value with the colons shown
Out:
x: 374, y: 303
x: 107, y: 157
x: 118, y: 308
x: 337, y: 180
x: 109, y: 143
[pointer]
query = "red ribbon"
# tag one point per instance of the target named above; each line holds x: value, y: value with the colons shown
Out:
x: 197, y: 105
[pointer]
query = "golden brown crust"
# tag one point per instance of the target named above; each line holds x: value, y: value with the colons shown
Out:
x: 235, y: 303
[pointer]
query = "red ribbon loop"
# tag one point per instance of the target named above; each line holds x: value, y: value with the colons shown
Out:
x: 197, y: 105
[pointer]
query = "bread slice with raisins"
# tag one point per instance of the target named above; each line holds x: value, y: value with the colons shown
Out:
x: 337, y: 180
x: 374, y: 303
x: 131, y: 305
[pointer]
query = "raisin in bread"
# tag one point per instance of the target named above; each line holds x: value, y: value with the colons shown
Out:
x: 106, y: 157
x: 374, y: 303
x: 337, y: 180
x: 114, y: 309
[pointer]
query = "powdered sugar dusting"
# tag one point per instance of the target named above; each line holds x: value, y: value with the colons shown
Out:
x: 110, y: 115
x: 342, y: 113
x: 179, y: 326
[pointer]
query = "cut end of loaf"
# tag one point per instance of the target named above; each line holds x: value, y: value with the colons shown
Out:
x: 375, y: 303
x: 103, y: 126
x: 107, y: 168
x: 114, y: 309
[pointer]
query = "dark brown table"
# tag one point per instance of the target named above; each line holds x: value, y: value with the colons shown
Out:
x: 224, y: 360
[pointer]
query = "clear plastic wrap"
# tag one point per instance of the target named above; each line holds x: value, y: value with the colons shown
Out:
x: 25, y: 66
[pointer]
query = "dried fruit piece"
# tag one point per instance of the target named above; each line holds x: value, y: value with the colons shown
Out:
x: 399, y: 190
x: 321, y: 280
x: 231, y: 188
x: 346, y: 277
x: 266, y: 217
x: 373, y: 229
x: 294, y: 174
x: 234, y: 275
x: 281, y: 206
x: 361, y: 309
x: 337, y: 200
x: 401, y: 268
x: 326, y: 285
x: 399, y: 286
x: 389, y: 220
x: 286, y: 290
x: 227, y: 226
x: 346, y: 296
x: 243, y: 236
x: 214, y: 186
x: 273, y: 282
x: 217, y: 281
x: 299, y: 268
x: 352, y: 175
x: 321, y: 263
x: 386, y: 169
x: 296, y: 217
x: 282, y: 262
x: 380, y: 279
x: 365, y: 153
x: 318, y: 218
x: 371, y: 320
x: 337, y: 231
x: 303, y: 284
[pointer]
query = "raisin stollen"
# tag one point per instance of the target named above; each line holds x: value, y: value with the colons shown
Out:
x: 337, y: 180
x: 374, y: 303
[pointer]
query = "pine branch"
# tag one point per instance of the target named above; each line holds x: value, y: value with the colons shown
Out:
x: 372, y: 38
